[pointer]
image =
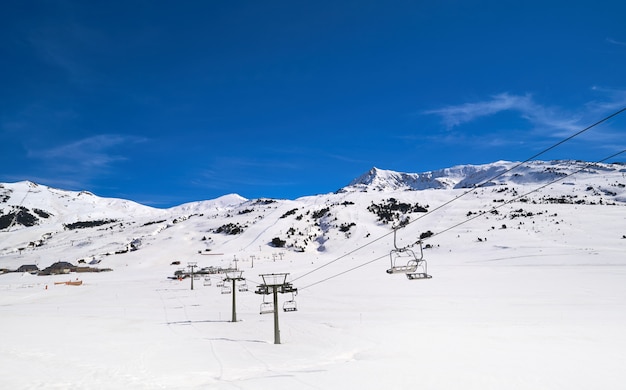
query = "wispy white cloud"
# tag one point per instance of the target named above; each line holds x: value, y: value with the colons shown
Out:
x: 92, y: 153
x: 246, y: 163
x: 69, y: 45
x: 615, y: 42
x: 456, y: 115
x: 243, y: 171
x: 525, y: 105
x: 342, y: 158
x: 59, y: 55
x: 548, y: 123
x: 612, y: 99
x: 212, y: 180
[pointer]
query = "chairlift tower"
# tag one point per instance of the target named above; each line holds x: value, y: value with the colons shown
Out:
x: 192, y: 265
x: 235, y: 260
x: 274, y: 284
x: 234, y: 276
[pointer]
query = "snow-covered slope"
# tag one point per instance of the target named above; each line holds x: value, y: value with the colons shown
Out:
x: 34, y: 218
x: 528, y: 282
x: 221, y: 203
x: 39, y: 203
x: 469, y: 176
x: 381, y: 180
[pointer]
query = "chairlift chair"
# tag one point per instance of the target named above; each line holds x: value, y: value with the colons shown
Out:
x: 420, y: 271
x: 290, y: 305
x: 418, y: 275
x: 243, y: 287
x: 226, y: 289
x: 262, y: 289
x: 220, y: 283
x: 403, y: 260
x: 207, y: 281
x: 266, y: 307
x: 406, y: 261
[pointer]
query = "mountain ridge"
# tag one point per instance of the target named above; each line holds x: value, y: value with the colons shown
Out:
x: 469, y: 176
x: 39, y: 224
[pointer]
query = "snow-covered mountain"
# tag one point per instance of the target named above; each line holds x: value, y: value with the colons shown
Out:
x: 34, y: 218
x: 469, y: 176
x: 527, y: 265
x: 384, y: 180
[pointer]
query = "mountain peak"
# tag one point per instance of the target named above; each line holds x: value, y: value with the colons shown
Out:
x: 377, y: 179
x: 224, y: 201
x: 468, y: 176
x: 369, y: 177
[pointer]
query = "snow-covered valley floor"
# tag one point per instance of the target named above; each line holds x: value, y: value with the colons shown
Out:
x: 490, y: 318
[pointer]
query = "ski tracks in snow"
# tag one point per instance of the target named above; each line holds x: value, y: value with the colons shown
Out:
x: 239, y: 363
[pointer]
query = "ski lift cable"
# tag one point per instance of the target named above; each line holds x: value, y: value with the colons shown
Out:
x: 344, y: 272
x: 519, y: 164
x: 469, y: 219
x: 254, y: 282
x: 526, y: 194
x: 470, y: 190
x: 344, y: 255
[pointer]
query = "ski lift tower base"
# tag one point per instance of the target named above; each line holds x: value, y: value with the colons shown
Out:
x: 274, y: 284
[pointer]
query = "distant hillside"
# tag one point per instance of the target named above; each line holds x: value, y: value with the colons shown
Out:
x: 468, y: 176
x: 42, y: 225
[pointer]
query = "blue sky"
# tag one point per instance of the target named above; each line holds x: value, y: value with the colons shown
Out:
x: 165, y: 102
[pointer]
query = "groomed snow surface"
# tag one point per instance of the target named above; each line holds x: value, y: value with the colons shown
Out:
x: 537, y: 315
x: 540, y: 304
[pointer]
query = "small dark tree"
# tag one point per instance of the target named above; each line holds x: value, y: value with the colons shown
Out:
x: 320, y: 213
x: 345, y: 227
x: 278, y: 243
x: 426, y: 234
x: 288, y: 213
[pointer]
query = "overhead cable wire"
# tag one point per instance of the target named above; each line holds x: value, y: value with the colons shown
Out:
x: 616, y: 113
x: 343, y: 256
x: 343, y: 272
x: 469, y: 219
x: 519, y: 164
x: 524, y: 195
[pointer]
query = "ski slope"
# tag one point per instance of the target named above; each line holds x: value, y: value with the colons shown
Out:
x: 518, y: 300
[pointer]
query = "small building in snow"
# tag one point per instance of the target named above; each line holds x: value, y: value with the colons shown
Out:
x: 30, y: 268
x: 60, y: 267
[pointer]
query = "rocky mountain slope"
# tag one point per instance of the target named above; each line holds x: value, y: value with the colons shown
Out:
x: 42, y: 225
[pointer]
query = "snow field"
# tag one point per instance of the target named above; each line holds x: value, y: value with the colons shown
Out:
x: 530, y: 299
